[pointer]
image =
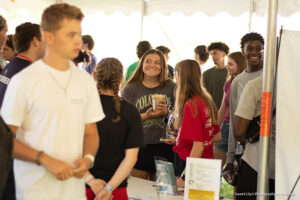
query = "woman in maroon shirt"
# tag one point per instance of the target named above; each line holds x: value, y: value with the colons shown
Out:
x: 236, y: 63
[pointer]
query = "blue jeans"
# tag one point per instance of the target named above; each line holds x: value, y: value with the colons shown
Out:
x: 223, y: 144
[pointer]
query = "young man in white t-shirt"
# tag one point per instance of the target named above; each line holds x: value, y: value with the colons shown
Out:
x: 248, y: 108
x: 52, y: 108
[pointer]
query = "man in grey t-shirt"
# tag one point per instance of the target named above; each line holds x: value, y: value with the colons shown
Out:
x: 251, y: 46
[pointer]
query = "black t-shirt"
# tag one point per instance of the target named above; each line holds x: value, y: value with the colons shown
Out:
x: 214, y: 80
x: 171, y: 72
x: 115, y: 138
x: 12, y: 68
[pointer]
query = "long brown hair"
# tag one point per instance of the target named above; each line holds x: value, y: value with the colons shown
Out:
x: 108, y: 74
x: 190, y: 85
x: 138, y: 75
x: 240, y: 60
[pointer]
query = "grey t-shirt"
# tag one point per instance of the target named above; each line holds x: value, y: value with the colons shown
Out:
x: 214, y: 80
x: 141, y: 97
x: 237, y: 87
x: 249, y: 107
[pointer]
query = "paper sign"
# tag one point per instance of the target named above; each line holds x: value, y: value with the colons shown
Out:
x: 202, y: 179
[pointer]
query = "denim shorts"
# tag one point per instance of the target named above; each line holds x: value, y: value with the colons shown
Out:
x: 223, y: 144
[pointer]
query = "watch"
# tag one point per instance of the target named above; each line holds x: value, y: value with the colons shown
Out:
x: 91, y: 157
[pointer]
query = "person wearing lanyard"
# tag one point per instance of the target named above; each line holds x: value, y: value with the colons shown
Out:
x: 3, y: 31
x: 30, y: 47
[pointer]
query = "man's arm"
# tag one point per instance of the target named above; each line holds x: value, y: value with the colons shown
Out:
x: 90, y: 146
x: 61, y: 170
x: 91, y: 139
x: 231, y: 140
x: 246, y: 109
x: 240, y: 129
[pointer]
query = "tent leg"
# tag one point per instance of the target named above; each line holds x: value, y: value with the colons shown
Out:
x: 268, y: 79
x: 142, y: 17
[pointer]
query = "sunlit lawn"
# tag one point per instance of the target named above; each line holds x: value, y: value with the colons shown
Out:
x: 226, y: 190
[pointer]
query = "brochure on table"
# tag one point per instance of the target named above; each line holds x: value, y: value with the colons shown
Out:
x: 202, y: 179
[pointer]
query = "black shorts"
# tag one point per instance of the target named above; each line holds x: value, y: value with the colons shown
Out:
x: 247, y: 183
x: 146, y: 156
x: 179, y: 165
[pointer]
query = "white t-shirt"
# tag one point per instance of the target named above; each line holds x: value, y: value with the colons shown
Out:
x: 249, y: 107
x: 52, y: 121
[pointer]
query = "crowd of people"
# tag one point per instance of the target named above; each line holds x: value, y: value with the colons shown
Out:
x: 81, y: 128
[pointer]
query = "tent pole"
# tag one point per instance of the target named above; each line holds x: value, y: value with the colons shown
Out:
x: 251, y: 10
x: 142, y: 17
x: 266, y: 110
x: 168, y: 38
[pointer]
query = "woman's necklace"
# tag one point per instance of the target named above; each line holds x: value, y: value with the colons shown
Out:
x: 56, y: 82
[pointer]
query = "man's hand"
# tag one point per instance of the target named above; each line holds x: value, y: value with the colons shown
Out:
x: 96, y: 185
x: 104, y: 194
x: 60, y: 169
x: 229, y: 167
x: 82, y: 166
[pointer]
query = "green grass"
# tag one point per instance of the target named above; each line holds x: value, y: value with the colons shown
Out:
x: 226, y: 190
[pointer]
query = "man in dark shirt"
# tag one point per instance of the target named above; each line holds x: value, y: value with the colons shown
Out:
x: 30, y: 47
x: 215, y: 77
x: 3, y: 30
x: 87, y: 46
x: 166, y: 51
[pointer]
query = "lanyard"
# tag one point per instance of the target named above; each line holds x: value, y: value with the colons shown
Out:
x: 24, y: 57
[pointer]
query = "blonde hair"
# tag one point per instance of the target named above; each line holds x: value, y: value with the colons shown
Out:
x: 56, y: 13
x: 190, y: 85
x: 108, y: 74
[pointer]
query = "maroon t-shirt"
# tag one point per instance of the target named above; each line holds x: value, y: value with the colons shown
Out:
x: 196, y: 128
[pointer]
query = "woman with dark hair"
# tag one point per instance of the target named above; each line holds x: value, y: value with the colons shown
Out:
x: 8, y: 50
x: 236, y: 64
x: 150, y: 80
x: 196, y: 118
x: 120, y: 134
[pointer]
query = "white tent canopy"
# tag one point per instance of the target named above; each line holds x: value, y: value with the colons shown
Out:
x: 166, y: 7
x: 180, y: 25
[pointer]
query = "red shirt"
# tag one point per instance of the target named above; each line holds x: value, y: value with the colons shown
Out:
x: 198, y: 128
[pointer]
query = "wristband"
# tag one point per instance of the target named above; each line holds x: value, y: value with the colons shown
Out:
x: 109, y: 188
x: 183, y: 175
x: 37, y: 158
x: 88, y: 178
x: 92, y: 158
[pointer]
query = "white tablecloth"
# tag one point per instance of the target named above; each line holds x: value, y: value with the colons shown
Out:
x: 140, y: 189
